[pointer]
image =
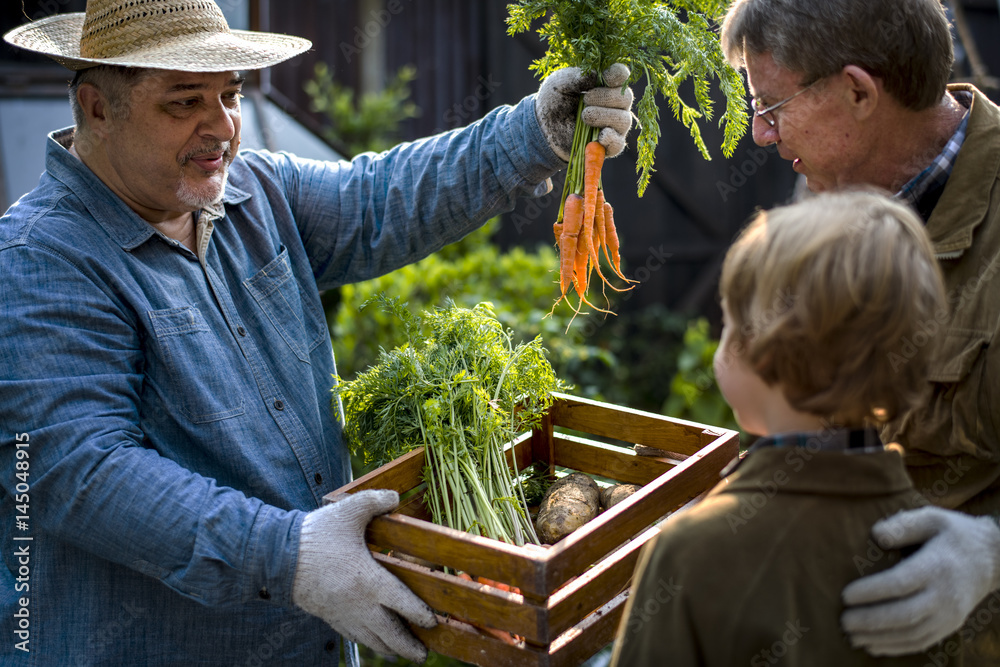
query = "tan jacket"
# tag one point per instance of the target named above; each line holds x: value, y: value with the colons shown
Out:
x: 953, y: 446
x: 752, y: 575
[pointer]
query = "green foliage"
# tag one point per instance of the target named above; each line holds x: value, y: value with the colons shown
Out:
x: 370, y: 123
x: 650, y: 37
x: 645, y: 344
x: 462, y: 388
x: 694, y: 393
x: 518, y: 283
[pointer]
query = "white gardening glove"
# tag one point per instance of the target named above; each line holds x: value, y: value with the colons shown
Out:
x: 338, y: 580
x: 606, y: 107
x: 926, y: 597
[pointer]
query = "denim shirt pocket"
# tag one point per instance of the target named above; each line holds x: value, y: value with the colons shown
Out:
x: 194, y: 360
x: 276, y: 291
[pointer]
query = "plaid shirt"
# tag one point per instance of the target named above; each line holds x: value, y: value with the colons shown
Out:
x: 849, y: 441
x: 923, y: 190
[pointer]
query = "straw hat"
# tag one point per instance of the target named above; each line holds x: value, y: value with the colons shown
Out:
x: 184, y: 35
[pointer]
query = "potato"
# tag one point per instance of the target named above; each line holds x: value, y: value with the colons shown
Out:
x: 612, y: 495
x: 568, y: 504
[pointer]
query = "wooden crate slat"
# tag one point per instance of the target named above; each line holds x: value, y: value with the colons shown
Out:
x: 589, y: 591
x: 506, y: 563
x: 571, y: 648
x: 400, y: 475
x: 522, y: 449
x: 461, y: 641
x: 588, y: 637
x: 597, y: 458
x: 574, y: 553
x: 633, y: 426
x: 470, y: 601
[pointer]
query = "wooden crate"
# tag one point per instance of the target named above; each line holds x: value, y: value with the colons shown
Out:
x: 571, y: 594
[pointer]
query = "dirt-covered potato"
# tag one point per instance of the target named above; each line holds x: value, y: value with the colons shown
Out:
x: 568, y: 504
x: 612, y: 495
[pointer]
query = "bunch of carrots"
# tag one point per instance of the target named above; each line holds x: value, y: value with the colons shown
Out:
x: 586, y: 222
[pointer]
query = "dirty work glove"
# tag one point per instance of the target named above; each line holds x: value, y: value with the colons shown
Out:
x: 607, y: 108
x: 337, y: 579
x: 926, y: 597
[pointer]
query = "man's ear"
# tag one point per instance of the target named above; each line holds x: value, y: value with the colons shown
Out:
x: 95, y: 109
x: 864, y: 91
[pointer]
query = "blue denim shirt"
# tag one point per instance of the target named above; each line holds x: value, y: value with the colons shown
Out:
x: 175, y: 407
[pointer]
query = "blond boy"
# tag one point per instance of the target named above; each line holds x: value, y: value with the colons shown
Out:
x: 822, y: 301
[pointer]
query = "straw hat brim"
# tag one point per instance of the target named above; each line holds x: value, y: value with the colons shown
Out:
x: 58, y: 37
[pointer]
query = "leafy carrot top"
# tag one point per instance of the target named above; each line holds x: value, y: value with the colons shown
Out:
x: 664, y: 42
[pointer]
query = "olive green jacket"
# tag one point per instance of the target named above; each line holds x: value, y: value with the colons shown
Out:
x: 753, y: 574
x: 953, y: 445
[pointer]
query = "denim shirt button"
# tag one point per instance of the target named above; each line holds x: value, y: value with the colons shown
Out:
x: 241, y: 331
x: 319, y: 478
x: 279, y: 405
x: 331, y: 646
x: 264, y: 595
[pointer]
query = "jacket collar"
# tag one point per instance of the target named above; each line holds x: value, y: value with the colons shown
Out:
x: 803, y: 470
x: 120, y: 222
x: 956, y: 216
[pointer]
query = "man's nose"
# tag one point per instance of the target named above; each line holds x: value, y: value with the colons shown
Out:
x: 763, y: 133
x: 219, y: 122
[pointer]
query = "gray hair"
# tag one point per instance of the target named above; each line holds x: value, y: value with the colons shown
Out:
x: 114, y: 82
x: 906, y: 43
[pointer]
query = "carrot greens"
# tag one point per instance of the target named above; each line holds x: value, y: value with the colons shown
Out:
x: 658, y: 45
x: 461, y: 388
x: 664, y: 43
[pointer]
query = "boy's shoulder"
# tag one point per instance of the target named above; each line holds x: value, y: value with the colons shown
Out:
x: 784, y: 500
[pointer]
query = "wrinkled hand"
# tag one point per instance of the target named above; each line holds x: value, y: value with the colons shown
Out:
x: 338, y: 580
x: 607, y: 108
x: 928, y: 595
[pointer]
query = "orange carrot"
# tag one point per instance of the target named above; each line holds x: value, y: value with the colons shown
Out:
x: 580, y: 277
x: 568, y: 240
x: 593, y: 162
x: 599, y: 223
x: 601, y: 237
x: 593, y: 154
x: 611, y: 235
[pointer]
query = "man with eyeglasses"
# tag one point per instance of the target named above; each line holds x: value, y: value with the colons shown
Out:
x: 855, y: 93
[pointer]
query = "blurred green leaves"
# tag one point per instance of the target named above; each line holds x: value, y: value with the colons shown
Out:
x: 367, y: 123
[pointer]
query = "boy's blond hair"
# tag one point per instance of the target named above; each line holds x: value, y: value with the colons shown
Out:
x: 836, y: 299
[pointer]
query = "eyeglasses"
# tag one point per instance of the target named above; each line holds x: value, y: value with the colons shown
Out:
x: 766, y: 113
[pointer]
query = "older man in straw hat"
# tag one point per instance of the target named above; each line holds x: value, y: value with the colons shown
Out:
x: 165, y: 361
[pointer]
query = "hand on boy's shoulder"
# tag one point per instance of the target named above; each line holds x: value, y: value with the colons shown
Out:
x: 928, y: 596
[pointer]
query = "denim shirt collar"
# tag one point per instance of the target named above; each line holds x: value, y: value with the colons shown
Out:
x: 119, y: 221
